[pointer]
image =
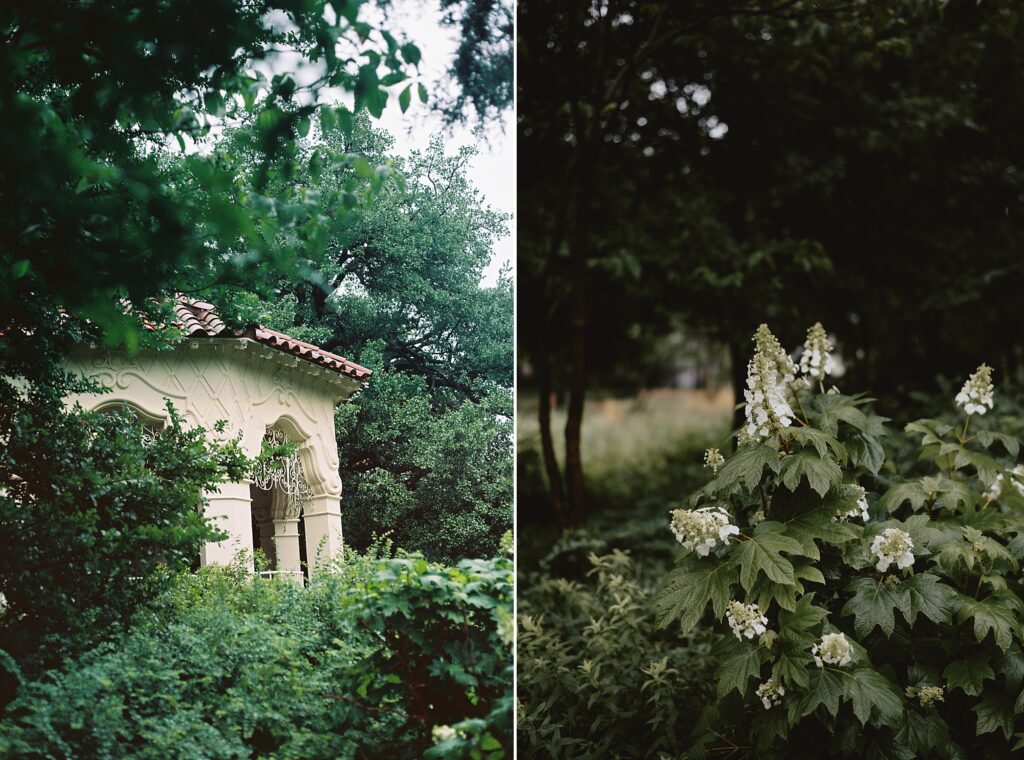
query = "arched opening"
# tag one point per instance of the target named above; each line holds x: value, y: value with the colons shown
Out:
x: 150, y: 424
x: 279, y: 492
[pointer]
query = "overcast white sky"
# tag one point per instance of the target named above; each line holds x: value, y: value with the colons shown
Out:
x: 494, y: 170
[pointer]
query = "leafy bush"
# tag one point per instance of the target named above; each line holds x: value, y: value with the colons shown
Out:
x: 225, y: 665
x: 94, y: 521
x: 438, y: 480
x: 596, y: 678
x: 870, y: 591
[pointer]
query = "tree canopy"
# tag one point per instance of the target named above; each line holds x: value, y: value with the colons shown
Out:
x: 151, y: 148
x: 426, y: 448
x: 717, y: 165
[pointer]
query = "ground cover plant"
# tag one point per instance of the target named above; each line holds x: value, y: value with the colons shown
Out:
x: 588, y: 640
x: 596, y: 677
x: 867, y: 595
x: 384, y: 655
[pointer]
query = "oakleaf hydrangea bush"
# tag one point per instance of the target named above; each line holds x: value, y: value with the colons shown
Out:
x: 869, y: 603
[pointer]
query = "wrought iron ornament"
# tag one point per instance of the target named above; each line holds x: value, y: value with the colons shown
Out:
x: 285, y: 472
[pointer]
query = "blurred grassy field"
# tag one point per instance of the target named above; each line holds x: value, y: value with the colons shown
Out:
x: 640, y: 455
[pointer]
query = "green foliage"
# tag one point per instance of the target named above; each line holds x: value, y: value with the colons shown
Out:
x: 952, y: 619
x: 483, y: 62
x: 443, y: 649
x: 425, y: 450
x: 440, y: 481
x: 596, y: 677
x: 716, y: 165
x: 225, y: 665
x: 96, y: 520
x: 92, y: 95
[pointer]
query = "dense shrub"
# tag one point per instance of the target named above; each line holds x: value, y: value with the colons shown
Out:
x: 868, y: 595
x: 94, y: 520
x: 596, y: 678
x: 228, y: 666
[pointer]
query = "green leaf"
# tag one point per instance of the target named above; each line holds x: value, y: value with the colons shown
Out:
x: 873, y: 604
x: 405, y: 98
x: 747, y: 465
x: 912, y: 491
x: 685, y: 592
x: 798, y: 624
x: 411, y: 53
x: 762, y: 554
x: 395, y: 77
x: 422, y: 92
x: 740, y: 664
x: 826, y: 689
x: 986, y: 466
x: 19, y: 268
x: 922, y: 731
x: 997, y: 613
x: 931, y: 430
x: 987, y: 437
x: 822, y: 442
x: 995, y: 712
x: 805, y: 571
x: 866, y: 451
x: 969, y: 674
x: 870, y: 691
x: 931, y: 598
x: 784, y: 595
x: 791, y: 667
x: 821, y: 474
x: 815, y: 526
x: 362, y: 167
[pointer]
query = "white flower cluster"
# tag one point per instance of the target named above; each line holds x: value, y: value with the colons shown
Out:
x: 929, y: 695
x: 700, y: 530
x: 860, y: 509
x: 977, y: 392
x: 745, y: 619
x: 996, y: 489
x: 713, y: 458
x: 442, y: 733
x: 770, y: 693
x: 816, y: 360
x: 893, y: 546
x: 768, y: 376
x: 834, y: 649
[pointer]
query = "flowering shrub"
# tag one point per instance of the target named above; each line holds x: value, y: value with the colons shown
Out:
x: 869, y: 602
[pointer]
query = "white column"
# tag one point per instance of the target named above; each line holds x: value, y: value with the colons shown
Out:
x: 322, y: 518
x: 286, y: 539
x: 230, y: 510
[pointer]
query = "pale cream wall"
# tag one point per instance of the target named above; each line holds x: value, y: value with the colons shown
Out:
x: 251, y: 387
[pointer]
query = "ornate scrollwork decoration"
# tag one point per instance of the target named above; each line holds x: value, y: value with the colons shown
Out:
x: 283, y: 470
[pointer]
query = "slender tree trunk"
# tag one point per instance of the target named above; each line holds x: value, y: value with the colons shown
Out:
x: 574, y: 416
x: 578, y: 276
x: 547, y: 443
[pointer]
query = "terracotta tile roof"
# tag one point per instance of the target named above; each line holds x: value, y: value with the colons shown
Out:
x: 199, y: 319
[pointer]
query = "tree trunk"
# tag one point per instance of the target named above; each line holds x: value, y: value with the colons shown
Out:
x: 578, y: 276
x: 547, y: 443
x: 574, y: 417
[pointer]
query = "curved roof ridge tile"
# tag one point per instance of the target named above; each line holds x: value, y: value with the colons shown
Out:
x: 200, y: 319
